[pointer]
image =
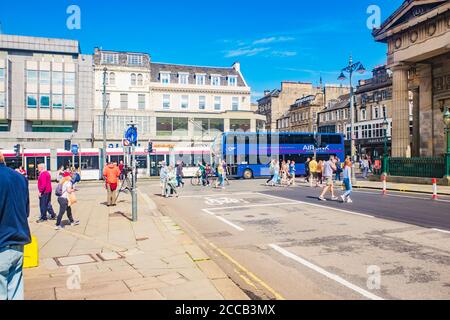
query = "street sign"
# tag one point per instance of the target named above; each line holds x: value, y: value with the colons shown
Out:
x: 125, y: 143
x: 75, y: 149
x: 131, y: 135
x: 110, y: 146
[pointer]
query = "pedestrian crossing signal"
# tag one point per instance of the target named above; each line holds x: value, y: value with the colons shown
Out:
x: 17, y: 150
x: 67, y: 145
x: 150, y: 147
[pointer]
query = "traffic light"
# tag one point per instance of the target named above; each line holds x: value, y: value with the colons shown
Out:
x: 67, y: 145
x: 17, y: 150
x: 150, y: 147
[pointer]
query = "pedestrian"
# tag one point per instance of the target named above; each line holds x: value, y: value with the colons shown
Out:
x: 208, y: 173
x: 365, y: 167
x: 180, y: 174
x: 60, y: 174
x: 225, y: 172
x: 338, y: 169
x: 307, y: 171
x: 313, y: 172
x: 163, y: 179
x: 220, y: 176
x: 276, y: 174
x: 203, y: 175
x: 121, y: 166
x: 271, y: 171
x: 171, y: 182
x: 22, y: 171
x: 319, y: 171
x: 45, y: 194
x: 65, y: 194
x: 76, y: 176
x: 347, y: 181
x: 14, y: 231
x: 328, y: 168
x: 292, y: 172
x: 111, y: 175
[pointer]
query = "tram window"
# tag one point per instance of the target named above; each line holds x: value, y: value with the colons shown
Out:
x: 13, y: 163
x: 141, y: 161
x: 66, y: 162
x: 89, y: 163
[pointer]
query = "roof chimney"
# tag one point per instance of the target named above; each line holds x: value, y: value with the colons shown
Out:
x: 237, y: 66
x: 266, y: 92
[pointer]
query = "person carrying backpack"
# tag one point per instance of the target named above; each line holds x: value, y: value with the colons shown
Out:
x: 65, y: 193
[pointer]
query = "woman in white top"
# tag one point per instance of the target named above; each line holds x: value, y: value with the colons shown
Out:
x: 65, y: 186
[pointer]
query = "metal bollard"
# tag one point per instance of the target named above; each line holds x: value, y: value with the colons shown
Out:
x: 383, y: 178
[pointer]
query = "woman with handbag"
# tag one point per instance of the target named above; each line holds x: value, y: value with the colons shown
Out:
x: 66, y: 198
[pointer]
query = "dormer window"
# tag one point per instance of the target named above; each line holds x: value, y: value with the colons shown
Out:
x: 165, y: 77
x: 232, y: 81
x: 183, y: 78
x: 215, y: 80
x: 200, y: 79
x: 135, y: 59
x: 110, y: 58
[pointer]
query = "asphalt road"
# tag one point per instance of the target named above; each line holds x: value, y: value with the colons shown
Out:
x: 416, y: 209
x: 277, y: 242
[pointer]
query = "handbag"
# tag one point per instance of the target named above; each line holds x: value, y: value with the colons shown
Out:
x: 72, y: 198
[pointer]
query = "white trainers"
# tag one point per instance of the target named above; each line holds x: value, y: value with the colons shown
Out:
x: 75, y: 223
x: 334, y: 198
x: 322, y: 199
x: 349, y: 200
x: 57, y: 228
x: 343, y: 198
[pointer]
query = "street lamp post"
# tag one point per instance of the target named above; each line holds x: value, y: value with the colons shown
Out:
x: 447, y: 130
x: 385, y: 153
x: 350, y: 69
x: 104, y: 154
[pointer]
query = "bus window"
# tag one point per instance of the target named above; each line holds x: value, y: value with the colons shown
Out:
x: 331, y: 139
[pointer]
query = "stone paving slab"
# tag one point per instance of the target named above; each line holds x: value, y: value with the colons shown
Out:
x: 109, y: 257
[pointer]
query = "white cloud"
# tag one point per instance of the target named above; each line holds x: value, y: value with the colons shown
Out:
x: 284, y: 53
x: 247, y: 52
x: 272, y: 40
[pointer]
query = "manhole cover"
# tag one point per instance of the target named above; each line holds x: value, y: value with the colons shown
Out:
x: 74, y: 260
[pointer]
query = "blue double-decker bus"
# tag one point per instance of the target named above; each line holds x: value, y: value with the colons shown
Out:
x: 248, y: 155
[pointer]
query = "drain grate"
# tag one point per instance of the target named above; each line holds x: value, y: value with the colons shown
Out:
x: 75, y: 260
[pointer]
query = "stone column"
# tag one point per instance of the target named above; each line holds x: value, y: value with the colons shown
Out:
x: 400, y: 115
x: 426, y: 106
x: 416, y: 124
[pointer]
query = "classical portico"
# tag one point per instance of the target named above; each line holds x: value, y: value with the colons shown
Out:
x: 418, y: 39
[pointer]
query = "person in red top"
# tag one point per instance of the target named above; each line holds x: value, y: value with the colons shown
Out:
x: 45, y: 194
x: 111, y: 174
x: 121, y: 165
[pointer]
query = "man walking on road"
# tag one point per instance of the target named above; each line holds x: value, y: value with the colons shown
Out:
x: 14, y: 231
x: 45, y: 194
x: 111, y: 174
x: 328, y: 169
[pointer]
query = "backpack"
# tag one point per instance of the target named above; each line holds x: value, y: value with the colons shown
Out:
x: 77, y: 178
x: 59, y: 191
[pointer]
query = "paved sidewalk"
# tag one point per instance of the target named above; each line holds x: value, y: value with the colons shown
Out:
x: 109, y: 257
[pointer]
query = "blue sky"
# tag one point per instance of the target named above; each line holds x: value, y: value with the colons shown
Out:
x: 298, y: 40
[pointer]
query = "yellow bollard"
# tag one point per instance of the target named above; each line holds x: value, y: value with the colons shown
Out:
x: 31, y: 254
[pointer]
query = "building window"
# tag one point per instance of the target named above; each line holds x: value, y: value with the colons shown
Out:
x: 184, y: 102
x: 166, y: 126
x: 69, y: 79
x: 200, y: 79
x: 376, y: 112
x: 69, y: 101
x: 215, y: 126
x: 32, y: 76
x: 2, y: 74
x: 141, y: 101
x: 112, y: 79
x: 140, y: 79
x: 135, y: 59
x: 57, y: 101
x: 179, y: 126
x: 217, y: 103
x: 202, y: 102
x: 31, y: 100
x: 183, y: 78
x: 2, y: 100
x: 363, y: 114
x: 133, y: 79
x: 232, y: 81
x: 110, y: 58
x: 215, y: 80
x: 165, y: 77
x: 166, y: 101
x: 124, y: 101
x: 44, y: 77
x: 235, y: 103
x: 384, y: 112
x: 240, y: 125
x: 57, y: 78
x: 44, y: 101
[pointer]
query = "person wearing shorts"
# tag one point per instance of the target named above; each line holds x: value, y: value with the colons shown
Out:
x: 328, y: 169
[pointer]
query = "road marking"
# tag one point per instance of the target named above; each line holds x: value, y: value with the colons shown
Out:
x: 327, y: 274
x: 440, y: 230
x: 223, y: 220
x: 255, y: 205
x: 249, y: 273
x: 402, y: 196
x: 214, y: 194
x: 320, y: 206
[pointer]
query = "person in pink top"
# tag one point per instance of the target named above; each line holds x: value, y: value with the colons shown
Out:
x: 45, y: 194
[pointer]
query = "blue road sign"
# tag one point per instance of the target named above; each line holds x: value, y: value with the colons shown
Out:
x: 74, y: 149
x: 131, y: 135
x: 110, y: 146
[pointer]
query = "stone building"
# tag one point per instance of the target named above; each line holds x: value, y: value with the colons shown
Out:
x: 46, y: 92
x: 418, y: 38
x: 335, y: 116
x: 303, y: 113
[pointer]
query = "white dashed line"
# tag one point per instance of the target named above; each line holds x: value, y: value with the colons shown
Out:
x: 440, y: 230
x: 224, y: 220
x: 327, y: 274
